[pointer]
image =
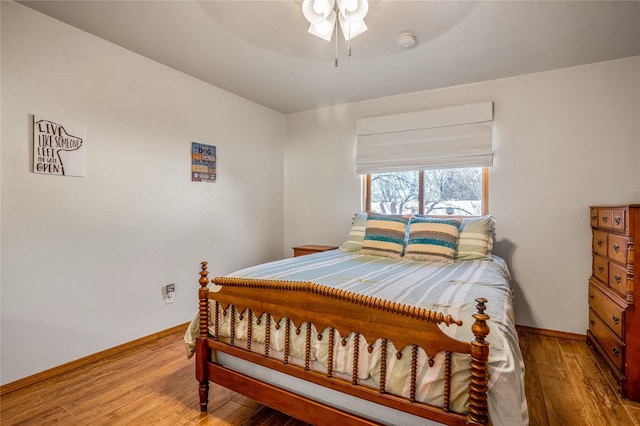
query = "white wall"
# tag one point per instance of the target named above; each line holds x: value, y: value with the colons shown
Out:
x: 564, y: 139
x: 84, y: 259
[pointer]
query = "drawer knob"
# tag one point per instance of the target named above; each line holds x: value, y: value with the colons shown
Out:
x: 617, y: 278
x: 594, y: 217
x: 605, y: 219
x: 592, y: 322
x: 600, y: 268
x: 617, y: 220
x: 616, y: 248
x: 615, y: 319
x: 590, y: 295
x: 615, y: 350
x: 599, y: 243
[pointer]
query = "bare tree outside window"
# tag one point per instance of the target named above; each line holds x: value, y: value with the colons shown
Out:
x: 444, y: 191
x: 453, y: 191
x: 395, y: 193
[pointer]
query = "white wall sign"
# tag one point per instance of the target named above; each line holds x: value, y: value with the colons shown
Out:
x: 59, y: 148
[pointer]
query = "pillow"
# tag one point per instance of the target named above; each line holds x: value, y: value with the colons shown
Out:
x: 476, y: 238
x: 384, y: 235
x: 356, y: 234
x: 433, y: 239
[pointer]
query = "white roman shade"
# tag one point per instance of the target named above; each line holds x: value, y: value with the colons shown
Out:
x: 459, y: 136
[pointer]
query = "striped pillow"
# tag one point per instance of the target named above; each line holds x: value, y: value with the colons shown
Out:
x: 476, y: 238
x: 356, y: 235
x: 433, y: 239
x: 384, y: 235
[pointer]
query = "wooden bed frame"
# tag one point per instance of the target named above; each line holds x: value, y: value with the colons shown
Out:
x: 325, y: 307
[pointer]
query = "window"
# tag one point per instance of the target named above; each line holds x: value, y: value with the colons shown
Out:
x: 427, y: 162
x: 440, y: 192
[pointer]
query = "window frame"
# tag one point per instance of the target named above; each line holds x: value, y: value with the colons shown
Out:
x: 485, y: 191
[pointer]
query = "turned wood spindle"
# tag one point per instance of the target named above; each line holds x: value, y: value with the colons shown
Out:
x: 249, y: 328
x: 414, y: 373
x: 331, y: 348
x: 216, y: 321
x: 232, y: 326
x: 307, y: 347
x: 383, y: 365
x: 447, y: 381
x: 267, y: 335
x: 287, y: 337
x: 202, y: 351
x: 356, y: 355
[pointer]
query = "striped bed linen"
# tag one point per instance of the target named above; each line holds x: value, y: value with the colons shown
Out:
x: 447, y: 288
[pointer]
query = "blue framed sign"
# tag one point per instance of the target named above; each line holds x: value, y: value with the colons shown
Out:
x: 203, y: 162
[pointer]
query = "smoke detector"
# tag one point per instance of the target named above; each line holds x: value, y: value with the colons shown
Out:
x: 406, y: 40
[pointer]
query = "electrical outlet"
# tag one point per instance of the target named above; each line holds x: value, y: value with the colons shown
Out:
x: 169, y: 291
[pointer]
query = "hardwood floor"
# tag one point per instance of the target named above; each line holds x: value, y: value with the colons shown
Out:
x: 154, y: 384
x: 567, y: 383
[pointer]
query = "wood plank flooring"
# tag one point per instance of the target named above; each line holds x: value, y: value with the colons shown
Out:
x: 154, y: 384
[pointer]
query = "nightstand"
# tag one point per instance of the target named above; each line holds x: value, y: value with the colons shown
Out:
x: 311, y: 248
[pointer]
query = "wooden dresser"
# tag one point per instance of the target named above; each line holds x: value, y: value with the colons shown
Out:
x: 614, y: 314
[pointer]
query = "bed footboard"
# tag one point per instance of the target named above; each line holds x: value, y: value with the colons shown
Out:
x: 300, y: 305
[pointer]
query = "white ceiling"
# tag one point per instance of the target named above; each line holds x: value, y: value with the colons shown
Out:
x: 261, y: 50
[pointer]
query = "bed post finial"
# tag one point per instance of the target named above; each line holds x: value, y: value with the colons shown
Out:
x: 204, y: 275
x: 478, y: 408
x: 204, y: 301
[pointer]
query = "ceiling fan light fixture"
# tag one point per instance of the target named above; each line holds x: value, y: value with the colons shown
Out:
x: 322, y: 15
x: 353, y: 10
x: 351, y: 30
x: 324, y: 29
x: 317, y: 11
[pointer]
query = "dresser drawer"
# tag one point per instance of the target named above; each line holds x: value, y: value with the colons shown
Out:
x: 618, y: 278
x: 620, y: 220
x: 605, y: 218
x: 601, y: 268
x: 610, y: 313
x: 599, y: 242
x: 593, y: 215
x: 612, y: 346
x: 617, y: 248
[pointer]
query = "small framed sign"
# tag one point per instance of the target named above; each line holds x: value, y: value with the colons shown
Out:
x: 203, y: 162
x: 59, y: 147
